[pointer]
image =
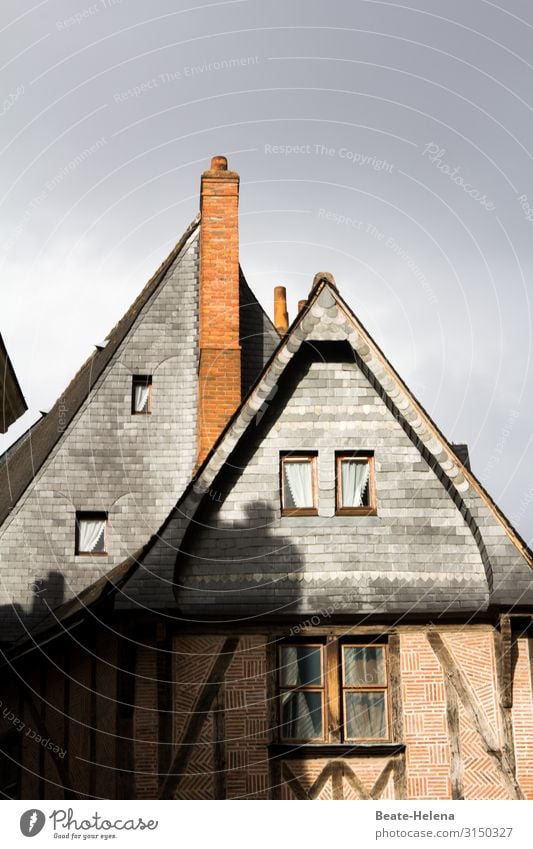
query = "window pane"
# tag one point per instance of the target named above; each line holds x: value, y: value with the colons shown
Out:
x: 365, y: 715
x: 91, y: 535
x: 301, y: 715
x: 364, y: 666
x: 354, y: 483
x: 301, y: 666
x: 141, y: 394
x: 298, y: 484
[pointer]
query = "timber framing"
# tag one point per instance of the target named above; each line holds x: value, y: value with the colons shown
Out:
x: 499, y: 755
x: 198, y: 716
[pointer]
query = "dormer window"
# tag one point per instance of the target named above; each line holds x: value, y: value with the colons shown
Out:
x: 91, y: 533
x: 141, y: 395
x: 299, y: 484
x: 356, y: 490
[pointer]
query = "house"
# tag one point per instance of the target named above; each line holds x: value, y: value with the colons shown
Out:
x: 240, y: 560
x: 12, y: 403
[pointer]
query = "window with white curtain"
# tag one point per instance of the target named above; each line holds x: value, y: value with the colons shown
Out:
x: 365, y: 692
x: 141, y: 397
x: 298, y: 484
x: 301, y: 692
x: 356, y: 491
x: 91, y: 533
x: 333, y: 691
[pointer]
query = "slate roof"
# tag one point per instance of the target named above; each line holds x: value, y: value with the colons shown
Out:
x: 20, y: 463
x: 506, y: 558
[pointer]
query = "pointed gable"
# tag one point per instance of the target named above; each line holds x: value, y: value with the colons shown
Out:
x: 437, y: 542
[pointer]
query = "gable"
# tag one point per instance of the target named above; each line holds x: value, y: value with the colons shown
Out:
x: 241, y: 557
x: 91, y: 454
x: 506, y: 561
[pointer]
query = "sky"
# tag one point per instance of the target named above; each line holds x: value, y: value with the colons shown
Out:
x: 387, y: 143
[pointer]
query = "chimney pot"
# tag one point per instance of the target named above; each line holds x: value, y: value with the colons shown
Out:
x: 219, y: 163
x: 281, y: 316
x: 301, y: 305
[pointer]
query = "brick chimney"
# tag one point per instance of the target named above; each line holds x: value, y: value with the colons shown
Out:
x: 281, y: 316
x: 219, y: 373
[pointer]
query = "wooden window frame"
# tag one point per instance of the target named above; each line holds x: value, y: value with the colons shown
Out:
x: 334, y: 690
x: 367, y: 688
x: 362, y: 457
x: 91, y: 514
x: 143, y: 380
x: 294, y: 457
x: 308, y: 688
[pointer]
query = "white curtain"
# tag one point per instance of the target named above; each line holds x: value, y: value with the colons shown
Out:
x: 365, y: 716
x: 91, y: 534
x: 302, y: 715
x: 141, y: 391
x: 354, y: 482
x: 301, y: 666
x: 365, y: 665
x: 298, y: 476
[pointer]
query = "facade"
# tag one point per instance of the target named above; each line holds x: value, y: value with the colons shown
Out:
x: 241, y: 561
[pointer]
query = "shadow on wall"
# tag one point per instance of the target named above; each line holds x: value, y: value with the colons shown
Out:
x: 250, y: 567
x: 238, y: 570
x: 48, y: 593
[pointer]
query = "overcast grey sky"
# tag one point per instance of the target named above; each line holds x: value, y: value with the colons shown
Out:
x: 386, y: 142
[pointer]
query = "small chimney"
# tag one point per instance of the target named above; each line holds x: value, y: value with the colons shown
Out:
x: 219, y: 374
x: 281, y: 316
x: 301, y: 305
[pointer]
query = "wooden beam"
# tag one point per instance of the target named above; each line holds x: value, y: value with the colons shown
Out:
x: 164, y: 701
x: 337, y: 780
x: 530, y: 650
x: 475, y: 713
x: 454, y: 740
x: 125, y: 744
x: 288, y: 776
x: 320, y: 782
x: 506, y: 662
x: 395, y: 678
x: 502, y: 646
x: 93, y: 766
x: 219, y: 743
x: 355, y: 783
x: 382, y: 781
x: 40, y: 722
x: 274, y: 763
x: 197, y: 718
x: 333, y: 690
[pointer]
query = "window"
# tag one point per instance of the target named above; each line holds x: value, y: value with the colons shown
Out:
x: 355, y: 486
x: 141, y: 395
x: 91, y: 533
x: 298, y: 485
x: 364, y: 687
x: 301, y: 692
x: 334, y: 692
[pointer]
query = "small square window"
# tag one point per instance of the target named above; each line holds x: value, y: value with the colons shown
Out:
x: 141, y: 395
x: 298, y: 485
x: 91, y: 533
x: 356, y: 486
